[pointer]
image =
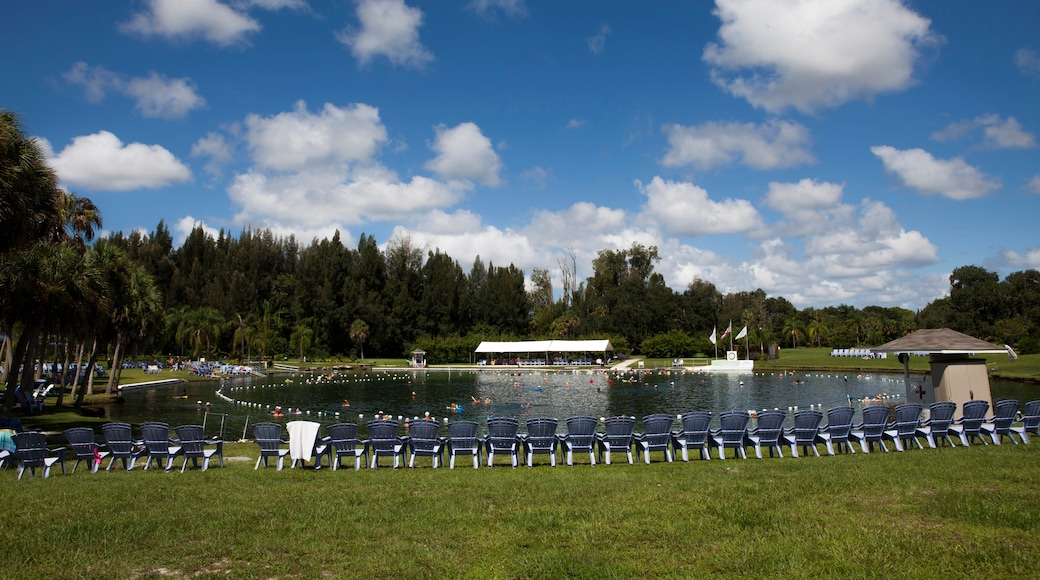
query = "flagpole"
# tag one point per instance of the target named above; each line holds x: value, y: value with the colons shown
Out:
x: 730, y: 334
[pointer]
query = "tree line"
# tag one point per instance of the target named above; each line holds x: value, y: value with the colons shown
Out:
x: 69, y: 298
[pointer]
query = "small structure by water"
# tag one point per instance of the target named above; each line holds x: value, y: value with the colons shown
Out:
x: 956, y: 375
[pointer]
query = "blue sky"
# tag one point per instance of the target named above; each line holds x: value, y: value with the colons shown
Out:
x: 827, y: 151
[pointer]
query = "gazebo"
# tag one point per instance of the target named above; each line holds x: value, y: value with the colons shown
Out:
x: 957, y: 375
x: 418, y: 358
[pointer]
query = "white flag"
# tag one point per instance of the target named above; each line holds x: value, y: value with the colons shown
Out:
x: 742, y: 333
x: 712, y: 337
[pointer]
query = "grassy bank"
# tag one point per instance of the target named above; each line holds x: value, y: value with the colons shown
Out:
x: 1027, y: 367
x: 909, y: 515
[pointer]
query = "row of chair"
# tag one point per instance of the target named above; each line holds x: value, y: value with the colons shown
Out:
x: 155, y: 445
x: 503, y: 437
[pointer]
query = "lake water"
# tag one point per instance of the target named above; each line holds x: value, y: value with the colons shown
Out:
x: 521, y: 393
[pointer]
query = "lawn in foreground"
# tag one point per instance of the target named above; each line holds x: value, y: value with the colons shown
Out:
x: 933, y: 513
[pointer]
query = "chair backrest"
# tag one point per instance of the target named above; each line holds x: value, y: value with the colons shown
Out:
x: 118, y: 438
x: 617, y: 431
x: 657, y: 429
x: 424, y: 433
x: 31, y: 447
x: 268, y: 436
x: 732, y: 426
x: 695, y: 426
x: 806, y: 426
x: 1031, y: 415
x: 940, y: 415
x: 343, y: 436
x: 875, y: 419
x: 908, y: 418
x: 541, y: 432
x: 770, y: 426
x: 974, y: 413
x: 192, y: 439
x: 156, y: 437
x: 462, y: 433
x: 502, y: 432
x: 1004, y: 413
x: 839, y: 423
x: 581, y: 431
x: 382, y: 434
x: 81, y: 439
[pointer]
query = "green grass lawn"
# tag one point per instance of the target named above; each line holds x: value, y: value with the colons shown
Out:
x: 921, y: 514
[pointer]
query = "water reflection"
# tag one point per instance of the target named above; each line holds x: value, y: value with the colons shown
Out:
x: 521, y: 394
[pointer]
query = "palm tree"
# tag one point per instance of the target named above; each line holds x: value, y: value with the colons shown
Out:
x: 792, y: 329
x: 200, y: 326
x: 358, y: 333
x: 301, y: 338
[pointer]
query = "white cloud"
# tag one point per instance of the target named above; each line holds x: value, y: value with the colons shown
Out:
x: 488, y: 8
x: 575, y: 123
x: 216, y: 148
x: 536, y: 176
x: 158, y: 96
x: 997, y: 133
x: 297, y: 139
x: 686, y: 210
x: 95, y: 80
x: 102, y: 162
x: 917, y: 169
x: 1028, y: 62
x: 598, y: 41
x: 812, y: 54
x: 155, y: 95
x: 275, y: 4
x: 1029, y: 259
x: 389, y: 28
x: 1034, y: 184
x: 767, y: 146
x: 188, y: 19
x: 317, y: 197
x: 808, y: 206
x: 465, y: 154
x: 184, y: 226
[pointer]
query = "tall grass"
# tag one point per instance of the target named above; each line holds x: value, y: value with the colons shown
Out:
x: 934, y: 513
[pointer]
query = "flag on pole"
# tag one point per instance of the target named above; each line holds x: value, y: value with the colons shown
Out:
x: 728, y: 330
x: 712, y: 337
x: 742, y: 333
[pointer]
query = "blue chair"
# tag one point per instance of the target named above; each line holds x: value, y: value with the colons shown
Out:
x: 1004, y: 414
x: 872, y: 429
x: 160, y: 448
x: 32, y: 452
x: 424, y: 440
x: 121, y: 445
x: 936, y: 428
x: 694, y: 434
x: 502, y: 438
x: 656, y: 436
x: 462, y: 440
x: 580, y: 436
x: 84, y: 446
x: 343, y: 442
x: 194, y: 446
x: 383, y: 439
x: 540, y: 438
x: 805, y: 433
x: 1030, y: 420
x: 903, y: 431
x: 268, y: 437
x: 836, y: 433
x: 617, y: 436
x: 731, y: 431
x: 768, y: 432
x: 969, y: 425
